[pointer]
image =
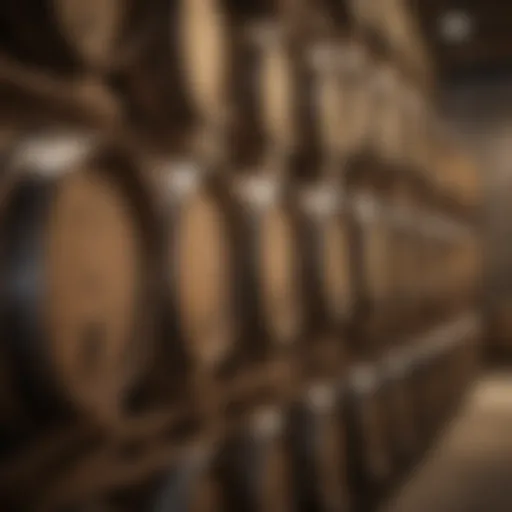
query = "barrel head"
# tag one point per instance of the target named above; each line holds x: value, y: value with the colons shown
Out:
x: 93, y: 274
x: 279, y: 275
x: 203, y: 261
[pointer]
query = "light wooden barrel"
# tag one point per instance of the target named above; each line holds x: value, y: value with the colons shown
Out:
x: 279, y: 279
x: 269, y: 249
x: 372, y: 455
x: 232, y: 264
x: 206, y: 43
x: 239, y: 76
x: 372, y: 216
x: 326, y: 276
x: 76, y: 270
x: 199, y: 268
x: 370, y: 463
x: 401, y: 427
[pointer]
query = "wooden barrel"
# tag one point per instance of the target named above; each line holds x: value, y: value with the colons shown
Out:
x: 386, y: 134
x: 380, y: 27
x: 438, y: 258
x: 431, y: 351
x: 432, y: 379
x: 354, y: 66
x: 378, y: 158
x: 418, y: 385
x: 467, y: 363
x: 207, y: 497
x: 191, y: 485
x: 160, y: 83
x: 387, y: 431
x: 201, y: 280
x: 337, y: 275
x: 470, y: 275
x: 318, y: 434
x: 326, y: 274
x: 462, y: 184
x: 437, y: 355
x: 393, y: 22
x: 427, y: 381
x: 335, y: 63
x: 416, y: 196
x: 229, y: 72
x: 76, y: 243
x: 433, y: 262
x: 280, y: 296
x: 372, y: 217
x: 402, y: 327
x: 448, y: 377
x: 368, y: 450
x: 91, y: 29
x: 269, y: 241
x: 463, y: 273
x: 318, y: 445
x: 452, y: 268
x: 199, y: 264
x: 420, y: 125
x: 32, y: 99
x: 461, y: 177
x: 255, y: 465
x: 400, y: 195
x: 329, y: 99
x: 369, y: 241
x: 404, y: 267
x: 370, y: 413
x: 243, y: 85
x: 232, y: 265
x: 403, y: 308
x: 277, y: 89
x: 66, y: 35
x: 187, y: 484
x: 206, y: 41
x: 447, y: 263
x: 424, y: 261
x: 470, y: 279
x: 472, y: 348
x: 446, y: 383
x: 365, y: 15
x: 401, y: 427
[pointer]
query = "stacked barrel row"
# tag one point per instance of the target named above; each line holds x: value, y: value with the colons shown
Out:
x: 239, y: 255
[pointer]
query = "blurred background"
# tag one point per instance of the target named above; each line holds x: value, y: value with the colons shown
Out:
x: 471, y: 48
x: 255, y: 255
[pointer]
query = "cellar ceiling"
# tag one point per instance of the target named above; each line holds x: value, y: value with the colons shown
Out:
x: 468, y: 37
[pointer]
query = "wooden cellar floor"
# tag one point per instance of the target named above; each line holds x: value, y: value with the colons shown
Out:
x: 470, y: 469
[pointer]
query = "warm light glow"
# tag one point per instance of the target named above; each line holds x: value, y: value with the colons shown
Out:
x: 456, y: 26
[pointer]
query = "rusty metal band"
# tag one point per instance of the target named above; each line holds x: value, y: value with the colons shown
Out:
x: 23, y: 225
